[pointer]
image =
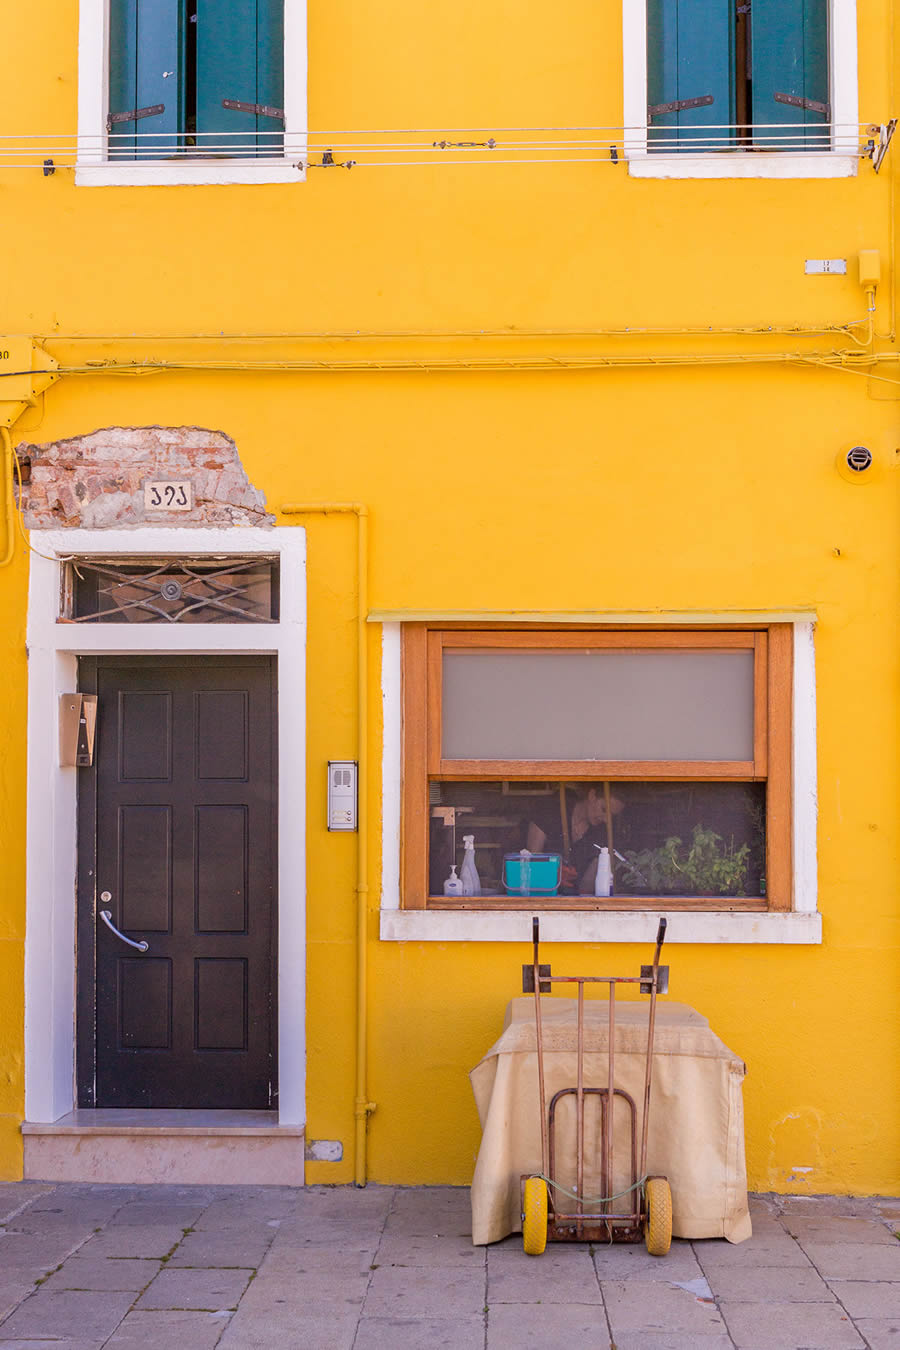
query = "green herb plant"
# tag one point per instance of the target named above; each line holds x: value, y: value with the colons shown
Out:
x: 706, y: 866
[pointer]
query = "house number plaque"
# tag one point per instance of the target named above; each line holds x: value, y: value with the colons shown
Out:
x: 168, y: 496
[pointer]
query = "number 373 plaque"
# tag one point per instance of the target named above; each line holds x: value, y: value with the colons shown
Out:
x: 168, y: 496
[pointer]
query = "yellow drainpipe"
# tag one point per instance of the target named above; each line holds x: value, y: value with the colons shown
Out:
x: 7, y: 459
x: 363, y: 1107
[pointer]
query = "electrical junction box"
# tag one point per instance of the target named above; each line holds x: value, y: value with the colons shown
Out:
x: 343, y: 777
x: 869, y: 267
x: 77, y: 729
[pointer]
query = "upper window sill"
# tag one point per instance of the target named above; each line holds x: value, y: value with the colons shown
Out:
x: 742, y: 164
x: 721, y: 928
x: 189, y: 173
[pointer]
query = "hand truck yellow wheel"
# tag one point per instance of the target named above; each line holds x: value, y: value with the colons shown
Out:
x: 534, y: 1218
x: 658, y: 1223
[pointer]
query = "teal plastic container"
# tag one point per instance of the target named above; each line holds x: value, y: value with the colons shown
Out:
x: 544, y: 873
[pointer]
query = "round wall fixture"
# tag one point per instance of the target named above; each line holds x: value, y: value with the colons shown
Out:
x: 856, y: 465
x: 859, y: 458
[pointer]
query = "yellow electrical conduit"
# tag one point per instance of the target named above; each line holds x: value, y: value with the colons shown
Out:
x: 849, y: 362
x: 363, y: 1108
x: 361, y: 335
x: 540, y: 361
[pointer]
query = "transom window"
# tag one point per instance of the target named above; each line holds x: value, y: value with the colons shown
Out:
x: 722, y: 74
x: 169, y: 590
x: 195, y: 78
x: 670, y: 750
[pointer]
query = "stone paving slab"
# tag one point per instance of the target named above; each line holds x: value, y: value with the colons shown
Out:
x: 790, y: 1326
x: 401, y: 1249
x: 51, y: 1345
x: 133, y: 1241
x: 321, y: 1290
x: 547, y: 1327
x: 577, y: 1283
x: 855, y: 1261
x: 296, y: 1328
x: 432, y: 1293
x: 633, y: 1306
x: 103, y: 1274
x: 832, y: 1228
x: 881, y: 1333
x: 395, y: 1333
x: 47, y: 1314
x: 167, y: 1331
x: 16, y: 1194
x: 863, y: 1206
x: 150, y: 1215
x: 231, y: 1248
x: 36, y: 1252
x: 672, y: 1340
x: 630, y: 1261
x: 770, y: 1284
x: 97, y: 1267
x: 765, y: 1251
x: 207, y: 1290
x: 862, y: 1298
x: 13, y: 1291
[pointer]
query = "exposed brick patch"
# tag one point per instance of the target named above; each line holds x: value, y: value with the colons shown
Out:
x: 97, y: 481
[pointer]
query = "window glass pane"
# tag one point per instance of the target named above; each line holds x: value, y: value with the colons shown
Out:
x: 589, y: 704
x: 232, y: 590
x: 669, y: 839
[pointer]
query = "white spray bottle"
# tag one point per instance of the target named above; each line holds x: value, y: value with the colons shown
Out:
x: 471, y: 882
x: 603, y: 879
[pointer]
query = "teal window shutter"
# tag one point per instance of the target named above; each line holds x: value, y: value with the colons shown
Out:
x: 789, y: 62
x: 146, y: 78
x: 240, y: 76
x: 690, y: 74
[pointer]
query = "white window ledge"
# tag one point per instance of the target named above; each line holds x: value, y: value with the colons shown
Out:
x: 398, y: 925
x: 188, y: 174
x: 743, y: 164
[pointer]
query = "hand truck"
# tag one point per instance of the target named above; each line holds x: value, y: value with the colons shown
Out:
x: 646, y: 1212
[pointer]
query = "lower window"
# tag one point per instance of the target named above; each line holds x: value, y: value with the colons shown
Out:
x: 610, y: 769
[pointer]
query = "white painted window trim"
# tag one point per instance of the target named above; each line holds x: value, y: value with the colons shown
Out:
x: 93, y: 169
x: 839, y: 162
x: 51, y: 848
x: 802, y: 925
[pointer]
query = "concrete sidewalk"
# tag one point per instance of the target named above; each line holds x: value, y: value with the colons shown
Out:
x: 84, y: 1267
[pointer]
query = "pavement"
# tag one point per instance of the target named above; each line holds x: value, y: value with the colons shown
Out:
x: 389, y: 1268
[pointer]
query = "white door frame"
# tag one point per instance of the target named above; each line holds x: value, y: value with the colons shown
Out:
x: 51, y: 852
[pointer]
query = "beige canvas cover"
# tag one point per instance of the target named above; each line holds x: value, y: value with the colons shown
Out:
x: 696, y: 1135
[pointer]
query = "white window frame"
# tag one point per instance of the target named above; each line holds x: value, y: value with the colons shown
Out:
x: 51, y: 819
x: 93, y: 167
x: 802, y: 925
x: 841, y: 161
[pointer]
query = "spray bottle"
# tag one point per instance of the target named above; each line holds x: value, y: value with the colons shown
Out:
x: 603, y: 879
x: 471, y: 882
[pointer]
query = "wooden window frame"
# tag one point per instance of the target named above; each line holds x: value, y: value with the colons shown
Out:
x: 423, y: 647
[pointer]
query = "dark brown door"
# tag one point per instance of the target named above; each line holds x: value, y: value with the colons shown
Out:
x: 177, y: 843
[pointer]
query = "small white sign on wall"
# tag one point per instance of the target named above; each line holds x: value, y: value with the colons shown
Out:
x: 169, y: 496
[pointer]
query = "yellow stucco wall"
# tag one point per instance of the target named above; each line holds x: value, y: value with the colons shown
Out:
x: 692, y: 489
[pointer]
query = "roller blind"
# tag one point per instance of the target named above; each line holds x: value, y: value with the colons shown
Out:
x: 600, y: 705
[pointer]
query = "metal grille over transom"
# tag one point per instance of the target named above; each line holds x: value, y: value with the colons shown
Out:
x: 170, y: 590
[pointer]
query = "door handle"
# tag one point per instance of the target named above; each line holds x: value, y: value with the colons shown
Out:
x: 106, y: 916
